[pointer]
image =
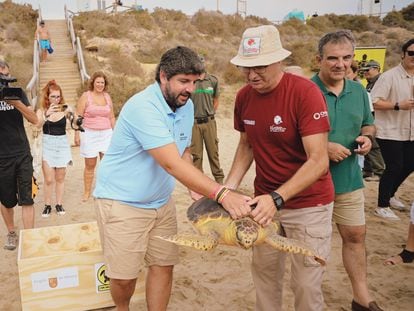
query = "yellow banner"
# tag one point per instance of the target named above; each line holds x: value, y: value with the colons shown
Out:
x: 364, y: 54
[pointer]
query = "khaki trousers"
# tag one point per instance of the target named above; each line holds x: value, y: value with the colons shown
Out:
x: 207, y: 133
x: 312, y: 225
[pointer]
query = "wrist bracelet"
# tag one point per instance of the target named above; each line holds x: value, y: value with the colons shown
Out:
x: 223, y: 195
x: 213, y: 195
x: 220, y: 192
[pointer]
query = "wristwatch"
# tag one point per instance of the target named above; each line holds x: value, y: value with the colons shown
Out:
x: 277, y: 199
x: 397, y: 106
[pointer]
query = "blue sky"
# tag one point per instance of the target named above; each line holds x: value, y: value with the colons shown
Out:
x: 274, y: 10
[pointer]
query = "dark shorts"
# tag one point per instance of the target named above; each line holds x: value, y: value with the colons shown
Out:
x: 16, y: 181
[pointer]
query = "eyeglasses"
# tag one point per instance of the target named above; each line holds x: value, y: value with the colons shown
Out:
x: 257, y: 69
x: 410, y: 53
x: 54, y: 96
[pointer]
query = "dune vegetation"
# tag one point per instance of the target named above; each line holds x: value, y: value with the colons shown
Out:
x: 128, y: 45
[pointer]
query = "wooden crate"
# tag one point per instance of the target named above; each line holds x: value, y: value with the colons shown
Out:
x: 61, y: 268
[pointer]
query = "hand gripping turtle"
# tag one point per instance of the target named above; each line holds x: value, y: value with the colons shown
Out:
x: 215, y: 226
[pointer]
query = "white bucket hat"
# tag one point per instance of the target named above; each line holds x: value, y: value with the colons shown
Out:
x: 260, y: 46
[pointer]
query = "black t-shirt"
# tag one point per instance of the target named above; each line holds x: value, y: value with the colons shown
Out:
x: 13, y: 139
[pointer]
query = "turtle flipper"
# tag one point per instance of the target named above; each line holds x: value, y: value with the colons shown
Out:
x: 293, y: 246
x: 200, y: 242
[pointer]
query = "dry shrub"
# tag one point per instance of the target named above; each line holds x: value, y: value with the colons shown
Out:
x: 17, y: 26
x: 303, y: 52
x: 232, y: 75
x: 142, y: 19
x: 211, y: 23
x: 122, y: 88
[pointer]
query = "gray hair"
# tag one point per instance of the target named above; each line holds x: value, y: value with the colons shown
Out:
x: 3, y: 64
x: 338, y: 36
x: 179, y: 60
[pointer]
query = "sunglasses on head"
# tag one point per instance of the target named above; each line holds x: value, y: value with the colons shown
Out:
x: 410, y: 53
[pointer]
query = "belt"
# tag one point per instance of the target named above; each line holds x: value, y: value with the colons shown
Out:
x: 204, y: 119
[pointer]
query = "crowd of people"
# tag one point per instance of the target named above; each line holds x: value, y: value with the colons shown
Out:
x: 304, y: 135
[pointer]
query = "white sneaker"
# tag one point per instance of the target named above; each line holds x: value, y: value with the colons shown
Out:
x: 386, y: 212
x: 397, y: 204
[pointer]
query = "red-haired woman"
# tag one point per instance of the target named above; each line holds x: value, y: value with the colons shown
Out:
x: 95, y: 106
x: 56, y: 154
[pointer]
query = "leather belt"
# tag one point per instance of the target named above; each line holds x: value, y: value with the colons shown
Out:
x: 203, y: 119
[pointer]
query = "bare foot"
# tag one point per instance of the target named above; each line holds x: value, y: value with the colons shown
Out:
x: 86, y: 197
x: 394, y: 260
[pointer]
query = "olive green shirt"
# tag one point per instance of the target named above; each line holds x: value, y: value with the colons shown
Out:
x: 203, y: 96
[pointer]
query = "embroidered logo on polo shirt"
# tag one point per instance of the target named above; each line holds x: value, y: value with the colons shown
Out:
x: 249, y: 122
x: 277, y: 120
x: 318, y: 115
x: 277, y: 129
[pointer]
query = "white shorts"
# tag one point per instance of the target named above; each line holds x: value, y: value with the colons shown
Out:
x: 93, y: 142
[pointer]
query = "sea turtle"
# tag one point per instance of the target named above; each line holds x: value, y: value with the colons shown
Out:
x: 215, y: 226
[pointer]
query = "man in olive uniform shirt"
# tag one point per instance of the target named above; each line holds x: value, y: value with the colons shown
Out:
x: 205, y: 99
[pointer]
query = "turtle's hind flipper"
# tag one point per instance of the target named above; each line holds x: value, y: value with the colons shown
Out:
x: 293, y: 246
x: 200, y: 242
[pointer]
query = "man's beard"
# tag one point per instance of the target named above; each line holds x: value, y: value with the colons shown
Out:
x: 172, y: 99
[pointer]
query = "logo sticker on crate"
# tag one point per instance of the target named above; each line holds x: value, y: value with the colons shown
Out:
x: 55, y: 279
x: 101, y: 280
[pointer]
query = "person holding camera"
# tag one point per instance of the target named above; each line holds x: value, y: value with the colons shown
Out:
x: 56, y: 154
x: 95, y: 106
x: 16, y: 167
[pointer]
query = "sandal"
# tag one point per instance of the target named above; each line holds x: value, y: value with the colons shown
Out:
x: 404, y: 257
x: 372, y: 306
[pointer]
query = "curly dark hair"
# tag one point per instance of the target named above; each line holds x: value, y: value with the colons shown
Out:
x: 179, y: 60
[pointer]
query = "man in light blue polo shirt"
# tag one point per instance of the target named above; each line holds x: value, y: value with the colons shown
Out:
x: 150, y: 148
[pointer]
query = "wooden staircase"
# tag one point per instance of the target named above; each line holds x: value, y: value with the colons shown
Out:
x: 61, y: 65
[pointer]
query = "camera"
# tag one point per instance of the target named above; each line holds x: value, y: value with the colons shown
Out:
x: 78, y: 122
x: 11, y: 93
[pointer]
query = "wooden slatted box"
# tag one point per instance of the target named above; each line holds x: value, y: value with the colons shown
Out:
x: 61, y: 268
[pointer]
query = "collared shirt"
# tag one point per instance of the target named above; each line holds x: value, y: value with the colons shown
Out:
x: 128, y: 173
x: 348, y: 113
x: 203, y: 96
x: 394, y: 85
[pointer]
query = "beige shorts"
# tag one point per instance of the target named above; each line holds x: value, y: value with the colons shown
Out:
x: 349, y: 208
x: 128, y: 237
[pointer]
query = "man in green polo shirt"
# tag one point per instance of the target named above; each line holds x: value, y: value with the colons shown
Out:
x: 351, y: 134
x: 206, y: 101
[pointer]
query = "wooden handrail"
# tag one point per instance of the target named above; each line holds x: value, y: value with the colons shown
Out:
x: 76, y: 45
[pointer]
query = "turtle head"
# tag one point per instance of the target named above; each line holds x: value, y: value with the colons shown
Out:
x: 247, y: 233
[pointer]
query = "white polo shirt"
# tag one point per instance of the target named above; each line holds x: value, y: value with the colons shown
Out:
x: 394, y: 85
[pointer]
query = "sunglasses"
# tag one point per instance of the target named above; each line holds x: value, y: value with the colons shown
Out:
x: 257, y: 69
x: 410, y: 53
x: 54, y: 96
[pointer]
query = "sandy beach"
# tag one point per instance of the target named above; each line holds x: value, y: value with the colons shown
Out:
x: 221, y: 279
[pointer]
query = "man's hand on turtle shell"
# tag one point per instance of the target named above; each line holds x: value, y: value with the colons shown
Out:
x: 263, y: 209
x: 236, y: 204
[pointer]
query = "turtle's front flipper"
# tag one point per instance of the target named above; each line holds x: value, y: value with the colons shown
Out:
x: 201, y: 242
x: 293, y: 246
